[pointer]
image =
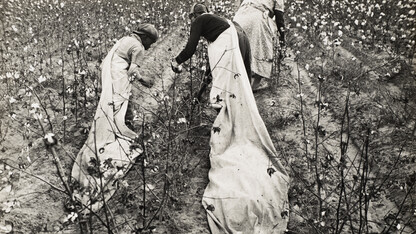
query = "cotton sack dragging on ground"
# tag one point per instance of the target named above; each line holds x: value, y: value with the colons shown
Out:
x: 243, y: 194
x: 106, y: 155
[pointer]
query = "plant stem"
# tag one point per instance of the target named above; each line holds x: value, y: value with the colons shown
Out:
x: 144, y: 156
x: 343, y: 147
x: 305, y: 141
x: 37, y: 177
x: 316, y: 160
x: 101, y: 180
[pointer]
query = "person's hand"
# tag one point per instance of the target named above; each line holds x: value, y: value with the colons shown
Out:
x: 133, y: 73
x: 145, y: 81
x: 175, y: 66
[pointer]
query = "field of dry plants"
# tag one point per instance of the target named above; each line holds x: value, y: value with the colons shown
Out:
x: 340, y: 108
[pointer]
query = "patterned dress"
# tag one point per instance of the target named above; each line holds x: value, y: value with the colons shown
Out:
x: 253, y: 17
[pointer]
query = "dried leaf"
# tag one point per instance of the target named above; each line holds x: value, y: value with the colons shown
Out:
x: 210, y: 207
x: 270, y: 171
x: 284, y: 214
x: 216, y: 129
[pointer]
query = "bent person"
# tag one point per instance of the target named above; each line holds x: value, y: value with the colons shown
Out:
x: 211, y: 26
x: 106, y: 155
x: 255, y: 17
x: 248, y: 187
x: 244, y: 46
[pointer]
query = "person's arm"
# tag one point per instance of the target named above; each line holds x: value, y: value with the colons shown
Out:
x: 278, y: 11
x: 135, y: 53
x: 189, y: 50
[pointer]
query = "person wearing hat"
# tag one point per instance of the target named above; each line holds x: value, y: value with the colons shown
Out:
x: 125, y: 66
x: 210, y: 26
x: 245, y: 50
x: 242, y: 196
x: 109, y: 138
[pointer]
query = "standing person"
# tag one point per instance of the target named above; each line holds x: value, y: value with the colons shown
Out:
x: 109, y: 138
x: 248, y: 187
x: 255, y: 17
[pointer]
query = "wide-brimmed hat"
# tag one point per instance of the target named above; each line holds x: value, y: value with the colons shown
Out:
x: 147, y: 29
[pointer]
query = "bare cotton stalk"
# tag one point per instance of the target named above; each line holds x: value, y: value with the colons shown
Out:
x: 37, y: 177
x: 167, y: 180
x: 343, y: 147
x: 363, y: 187
x: 316, y: 159
x: 144, y: 156
x: 59, y: 169
x: 408, y: 192
x: 105, y: 207
x: 75, y: 91
x: 3, y: 62
x: 305, y: 141
x: 63, y: 91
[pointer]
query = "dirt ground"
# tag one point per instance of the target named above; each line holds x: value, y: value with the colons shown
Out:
x: 29, y: 205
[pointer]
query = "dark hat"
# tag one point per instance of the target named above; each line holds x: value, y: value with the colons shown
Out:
x: 198, y: 8
x: 148, y: 30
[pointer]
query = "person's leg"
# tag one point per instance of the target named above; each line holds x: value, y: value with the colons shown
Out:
x: 206, y: 81
x: 128, y: 118
x: 247, y: 58
x: 256, y: 81
x: 245, y: 49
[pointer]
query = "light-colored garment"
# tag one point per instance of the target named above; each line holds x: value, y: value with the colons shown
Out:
x: 253, y: 17
x: 241, y: 196
x: 107, y: 149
